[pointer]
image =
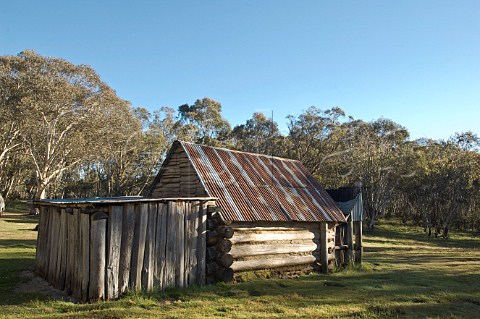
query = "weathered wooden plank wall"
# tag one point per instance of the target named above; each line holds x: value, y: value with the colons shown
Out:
x: 114, y: 239
x: 100, y: 254
x: 178, y: 177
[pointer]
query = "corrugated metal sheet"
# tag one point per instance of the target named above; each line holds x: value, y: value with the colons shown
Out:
x: 115, y: 200
x: 349, y: 200
x: 346, y: 207
x: 253, y: 187
x: 357, y: 213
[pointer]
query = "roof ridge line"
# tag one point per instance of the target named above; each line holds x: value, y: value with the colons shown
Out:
x: 236, y: 151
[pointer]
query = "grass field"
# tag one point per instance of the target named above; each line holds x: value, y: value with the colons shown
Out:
x: 405, y: 275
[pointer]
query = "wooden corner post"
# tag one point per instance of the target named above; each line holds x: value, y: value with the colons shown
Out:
x: 358, y: 241
x: 349, y: 254
x: 324, y: 247
x: 98, y: 248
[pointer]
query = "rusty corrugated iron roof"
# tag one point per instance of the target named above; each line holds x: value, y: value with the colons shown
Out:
x: 255, y: 187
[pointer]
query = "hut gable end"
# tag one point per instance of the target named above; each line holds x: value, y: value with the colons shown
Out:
x: 177, y: 177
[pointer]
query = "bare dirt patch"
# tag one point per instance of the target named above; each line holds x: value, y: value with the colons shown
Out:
x: 36, y: 284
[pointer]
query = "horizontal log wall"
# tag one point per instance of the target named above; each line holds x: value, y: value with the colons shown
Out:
x: 101, y: 254
x: 265, y: 245
x: 219, y: 245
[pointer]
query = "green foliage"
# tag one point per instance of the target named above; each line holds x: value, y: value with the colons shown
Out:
x: 203, y: 122
x: 66, y: 133
x: 444, y: 191
x: 60, y: 111
x: 258, y: 135
x: 313, y: 137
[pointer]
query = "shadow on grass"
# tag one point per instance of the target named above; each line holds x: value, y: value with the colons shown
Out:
x: 10, y: 277
x: 21, y: 219
x: 17, y: 206
x: 12, y: 243
x: 392, y: 234
x: 381, y: 294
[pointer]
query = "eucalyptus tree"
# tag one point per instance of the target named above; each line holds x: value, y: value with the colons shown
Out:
x: 165, y: 127
x: 9, y: 126
x: 446, y: 190
x: 258, y: 135
x: 62, y: 111
x: 469, y: 143
x: 203, y: 123
x: 139, y: 157
x: 17, y: 175
x: 312, y: 138
x: 378, y: 151
x: 2, y: 205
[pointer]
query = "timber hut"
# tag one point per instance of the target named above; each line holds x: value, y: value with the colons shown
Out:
x: 272, y: 213
x: 211, y: 214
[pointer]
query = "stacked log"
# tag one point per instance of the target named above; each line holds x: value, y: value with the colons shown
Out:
x: 269, y: 245
x: 331, y: 237
x: 339, y: 242
x: 219, y: 245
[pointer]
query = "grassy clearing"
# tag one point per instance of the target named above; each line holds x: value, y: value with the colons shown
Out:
x: 406, y: 275
x: 17, y: 252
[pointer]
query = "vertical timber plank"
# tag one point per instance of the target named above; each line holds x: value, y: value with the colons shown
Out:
x: 180, y: 246
x: 190, y: 244
x: 98, y: 246
x: 114, y: 239
x: 46, y: 243
x: 160, y: 245
x: 76, y: 281
x: 52, y: 270
x: 193, y: 226
x: 196, y: 211
x: 41, y: 236
x: 56, y: 244
x: 202, y: 244
x: 349, y: 241
x: 51, y: 234
x: 70, y: 252
x: 324, y: 246
x: 128, y: 225
x: 48, y: 239
x: 149, y: 260
x: 170, y: 246
x: 186, y: 254
x: 358, y: 242
x: 62, y: 250
x: 138, y: 249
x: 83, y: 244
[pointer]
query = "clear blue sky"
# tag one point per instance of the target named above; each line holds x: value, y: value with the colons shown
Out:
x: 416, y: 62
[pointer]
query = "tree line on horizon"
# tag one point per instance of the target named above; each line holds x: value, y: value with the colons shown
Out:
x: 65, y: 133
